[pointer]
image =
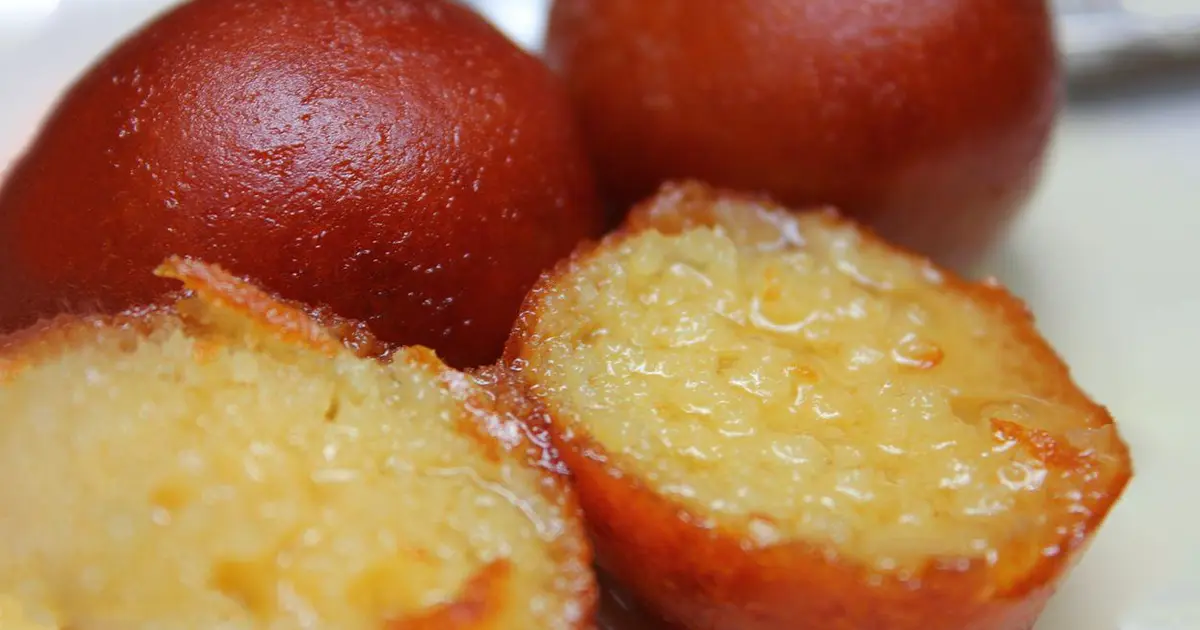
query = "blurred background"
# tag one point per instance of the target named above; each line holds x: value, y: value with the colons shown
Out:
x: 1107, y: 255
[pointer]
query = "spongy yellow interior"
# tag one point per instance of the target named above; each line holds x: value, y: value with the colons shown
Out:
x: 186, y: 480
x: 788, y: 379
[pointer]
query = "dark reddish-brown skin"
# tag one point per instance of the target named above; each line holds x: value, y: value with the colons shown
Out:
x: 398, y: 161
x: 928, y: 119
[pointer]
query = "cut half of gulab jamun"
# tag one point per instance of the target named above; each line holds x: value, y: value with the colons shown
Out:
x: 776, y: 420
x: 226, y: 462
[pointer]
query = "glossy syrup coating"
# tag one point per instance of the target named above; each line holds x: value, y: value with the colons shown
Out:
x: 399, y: 162
x: 928, y: 119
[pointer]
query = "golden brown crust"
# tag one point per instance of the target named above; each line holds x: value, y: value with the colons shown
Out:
x: 711, y: 578
x: 708, y: 578
x: 49, y: 336
x: 286, y: 320
x: 521, y: 427
x: 481, y: 599
x: 619, y: 610
x: 217, y: 287
x: 528, y: 429
x: 507, y: 423
x: 492, y: 415
x: 291, y: 321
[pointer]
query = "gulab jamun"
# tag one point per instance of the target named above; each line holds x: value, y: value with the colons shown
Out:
x: 223, y: 461
x: 775, y: 420
x: 401, y: 163
x: 928, y: 119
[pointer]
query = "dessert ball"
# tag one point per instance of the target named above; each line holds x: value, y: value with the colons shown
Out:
x: 926, y: 119
x: 397, y: 161
x: 226, y: 462
x: 776, y: 420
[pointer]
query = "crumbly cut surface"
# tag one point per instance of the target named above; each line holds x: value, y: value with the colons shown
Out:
x: 788, y: 377
x: 203, y: 478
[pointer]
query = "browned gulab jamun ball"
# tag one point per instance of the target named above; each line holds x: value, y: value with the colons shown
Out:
x: 927, y: 119
x: 399, y: 162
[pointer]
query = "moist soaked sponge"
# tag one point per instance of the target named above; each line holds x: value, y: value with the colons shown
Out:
x: 228, y: 463
x: 776, y: 420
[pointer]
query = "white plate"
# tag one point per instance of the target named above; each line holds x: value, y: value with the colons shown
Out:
x: 1108, y: 257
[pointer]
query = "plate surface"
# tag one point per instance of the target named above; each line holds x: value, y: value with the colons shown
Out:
x: 1108, y: 257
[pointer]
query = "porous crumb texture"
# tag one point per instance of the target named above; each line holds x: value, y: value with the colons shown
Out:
x: 184, y: 478
x: 788, y: 377
x: 13, y: 616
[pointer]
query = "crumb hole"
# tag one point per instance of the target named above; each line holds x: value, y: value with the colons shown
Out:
x: 244, y: 583
x: 170, y: 497
x: 590, y: 335
x: 726, y: 362
x: 669, y: 413
x: 333, y: 409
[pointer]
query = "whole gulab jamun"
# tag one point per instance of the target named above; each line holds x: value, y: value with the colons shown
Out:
x: 928, y: 119
x: 399, y: 162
